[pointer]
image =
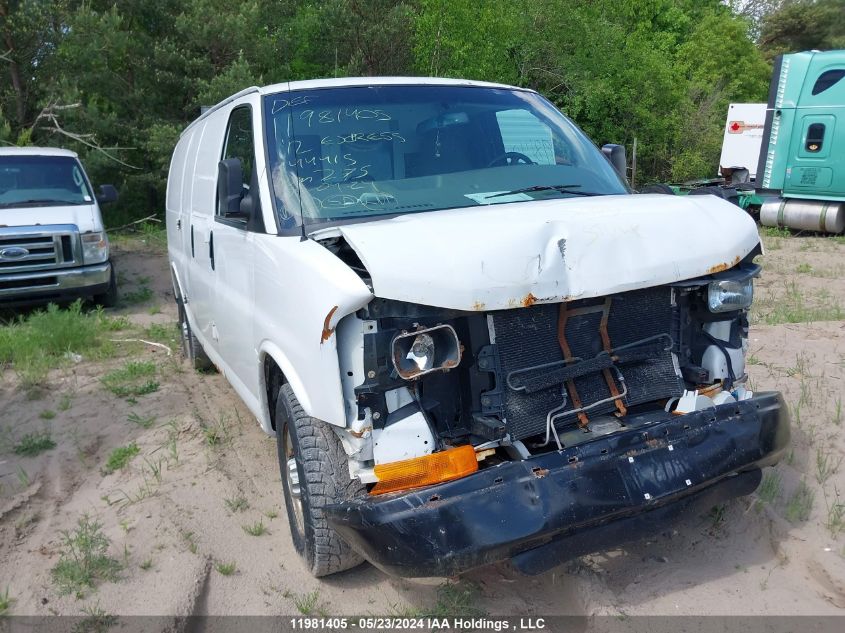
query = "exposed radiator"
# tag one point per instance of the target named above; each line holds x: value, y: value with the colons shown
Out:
x: 533, y: 376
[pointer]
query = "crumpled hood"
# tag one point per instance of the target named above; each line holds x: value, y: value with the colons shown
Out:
x: 509, y: 255
x: 82, y: 215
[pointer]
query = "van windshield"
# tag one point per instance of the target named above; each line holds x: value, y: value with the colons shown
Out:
x: 350, y: 153
x: 27, y: 181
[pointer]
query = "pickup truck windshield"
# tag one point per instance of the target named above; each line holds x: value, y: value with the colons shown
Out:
x: 27, y: 181
x: 349, y: 153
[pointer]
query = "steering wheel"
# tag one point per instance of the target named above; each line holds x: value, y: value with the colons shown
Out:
x: 510, y: 158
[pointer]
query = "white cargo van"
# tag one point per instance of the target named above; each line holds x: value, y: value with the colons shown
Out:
x: 471, y: 340
x: 53, y: 246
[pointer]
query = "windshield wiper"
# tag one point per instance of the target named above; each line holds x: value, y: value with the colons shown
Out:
x: 561, y: 188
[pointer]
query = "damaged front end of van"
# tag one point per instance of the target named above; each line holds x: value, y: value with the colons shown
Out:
x: 543, y: 391
x: 522, y: 360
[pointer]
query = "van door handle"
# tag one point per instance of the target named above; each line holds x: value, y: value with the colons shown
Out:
x: 211, y: 248
x: 193, y: 254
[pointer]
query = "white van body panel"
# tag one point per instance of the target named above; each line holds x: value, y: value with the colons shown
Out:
x: 282, y: 296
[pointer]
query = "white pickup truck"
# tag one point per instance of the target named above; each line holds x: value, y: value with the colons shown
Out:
x: 471, y: 340
x: 53, y: 246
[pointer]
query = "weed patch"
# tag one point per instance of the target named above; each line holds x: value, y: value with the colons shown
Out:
x: 800, y: 504
x: 457, y: 599
x: 84, y: 560
x: 225, y: 569
x: 796, y: 305
x: 143, y: 421
x: 135, y: 378
x: 120, y: 457
x: 769, y: 489
x: 306, y: 602
x: 32, y: 444
x: 36, y: 343
x: 256, y: 529
x: 5, y: 601
x: 237, y: 504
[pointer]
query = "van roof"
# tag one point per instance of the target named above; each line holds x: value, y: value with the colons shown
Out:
x: 36, y: 151
x: 312, y: 84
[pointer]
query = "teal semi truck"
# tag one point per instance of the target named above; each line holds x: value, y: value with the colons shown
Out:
x: 798, y: 178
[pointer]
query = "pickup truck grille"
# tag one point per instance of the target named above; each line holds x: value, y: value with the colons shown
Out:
x: 636, y: 326
x: 25, y: 249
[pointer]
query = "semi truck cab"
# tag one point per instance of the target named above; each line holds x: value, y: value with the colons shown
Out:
x: 802, y: 163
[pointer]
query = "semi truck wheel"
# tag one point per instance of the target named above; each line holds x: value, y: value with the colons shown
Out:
x: 314, y: 474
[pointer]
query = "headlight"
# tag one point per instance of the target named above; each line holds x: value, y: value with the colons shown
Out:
x: 727, y: 296
x: 95, y: 247
x: 426, y: 350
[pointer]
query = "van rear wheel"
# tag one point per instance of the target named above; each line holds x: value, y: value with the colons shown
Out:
x: 314, y: 473
x: 191, y: 347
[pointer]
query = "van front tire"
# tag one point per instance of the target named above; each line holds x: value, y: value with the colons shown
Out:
x: 315, y: 473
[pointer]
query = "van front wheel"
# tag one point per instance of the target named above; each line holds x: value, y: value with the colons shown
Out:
x: 314, y: 473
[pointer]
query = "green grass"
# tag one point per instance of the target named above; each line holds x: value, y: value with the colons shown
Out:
x: 34, y: 344
x: 146, y: 565
x: 120, y: 457
x: 800, y: 504
x: 32, y: 444
x: 237, y: 504
x: 84, y: 560
x: 135, y: 378
x: 167, y: 334
x: 271, y: 514
x: 47, y: 414
x: 775, y: 231
x: 769, y: 489
x: 97, y: 621
x: 803, y: 268
x: 457, y: 599
x: 64, y: 403
x: 306, y: 602
x: 796, y: 305
x: 826, y: 465
x: 5, y: 602
x: 225, y: 569
x: 256, y: 529
x: 143, y: 421
x: 141, y: 295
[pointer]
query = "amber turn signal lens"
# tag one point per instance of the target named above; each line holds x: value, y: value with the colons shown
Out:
x: 424, y: 471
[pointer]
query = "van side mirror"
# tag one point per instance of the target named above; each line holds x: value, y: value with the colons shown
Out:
x: 106, y: 194
x: 616, y: 155
x: 230, y: 186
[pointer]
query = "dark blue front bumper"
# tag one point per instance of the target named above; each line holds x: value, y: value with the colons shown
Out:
x: 542, y: 511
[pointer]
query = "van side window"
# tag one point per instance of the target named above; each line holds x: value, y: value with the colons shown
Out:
x: 827, y: 79
x: 239, y: 142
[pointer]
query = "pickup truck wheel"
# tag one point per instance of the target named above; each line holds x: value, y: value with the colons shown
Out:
x: 191, y: 347
x: 108, y: 299
x: 314, y: 474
